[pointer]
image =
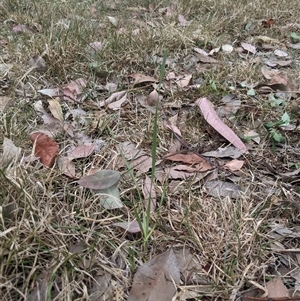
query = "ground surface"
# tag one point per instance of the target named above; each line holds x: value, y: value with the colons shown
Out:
x: 168, y: 223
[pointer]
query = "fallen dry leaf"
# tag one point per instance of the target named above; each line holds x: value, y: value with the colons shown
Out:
x: 4, y: 100
x: 212, y: 118
x: 131, y: 227
x: 189, y: 158
x: 200, y: 51
x: 156, y: 279
x: 129, y: 150
x: 141, y: 78
x: 10, y: 152
x: 222, y: 152
x: 66, y: 166
x: 276, y: 288
x: 117, y: 104
x: 114, y: 97
x: 73, y: 89
x: 45, y: 148
x: 206, y: 59
x: 82, y: 151
x: 152, y: 98
x: 280, y: 53
x: 38, y: 63
x: 234, y: 165
x: 222, y: 189
x: 55, y: 109
x: 22, y: 28
x: 182, y: 20
x: 149, y: 193
x: 248, y: 47
x: 172, y: 125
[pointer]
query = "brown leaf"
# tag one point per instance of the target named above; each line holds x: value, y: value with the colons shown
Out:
x: 82, y: 151
x: 66, y: 166
x: 267, y: 23
x: 142, y: 164
x: 141, y: 78
x: 189, y: 158
x: 172, y: 125
x: 155, y: 280
x: 55, y: 109
x: 222, y: 189
x: 44, y: 147
x: 117, y: 104
x: 276, y: 288
x: 114, y: 97
x: 153, y: 98
x: 206, y: 59
x: 129, y: 150
x: 212, y: 118
x: 74, y: 88
x: 184, y: 81
x: 234, y: 165
x: 131, y: 227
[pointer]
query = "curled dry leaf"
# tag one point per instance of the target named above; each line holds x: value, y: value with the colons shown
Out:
x: 156, y: 279
x: 114, y: 97
x: 212, y: 118
x: 117, y: 104
x: 45, y: 148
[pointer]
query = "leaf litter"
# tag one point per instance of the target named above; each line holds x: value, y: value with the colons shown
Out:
x: 156, y: 279
x: 80, y: 137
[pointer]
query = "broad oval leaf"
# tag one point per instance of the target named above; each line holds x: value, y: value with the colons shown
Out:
x: 101, y: 179
x: 44, y: 147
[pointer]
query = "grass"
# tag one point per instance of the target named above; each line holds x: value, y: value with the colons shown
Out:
x: 56, y: 240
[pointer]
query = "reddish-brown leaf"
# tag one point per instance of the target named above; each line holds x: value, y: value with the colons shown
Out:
x: 45, y: 148
x: 189, y: 158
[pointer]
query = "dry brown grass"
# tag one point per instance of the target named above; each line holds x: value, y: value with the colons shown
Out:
x: 55, y: 237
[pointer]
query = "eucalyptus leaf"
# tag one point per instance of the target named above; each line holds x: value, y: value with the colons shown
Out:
x: 110, y: 197
x: 294, y: 36
x: 101, y: 179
